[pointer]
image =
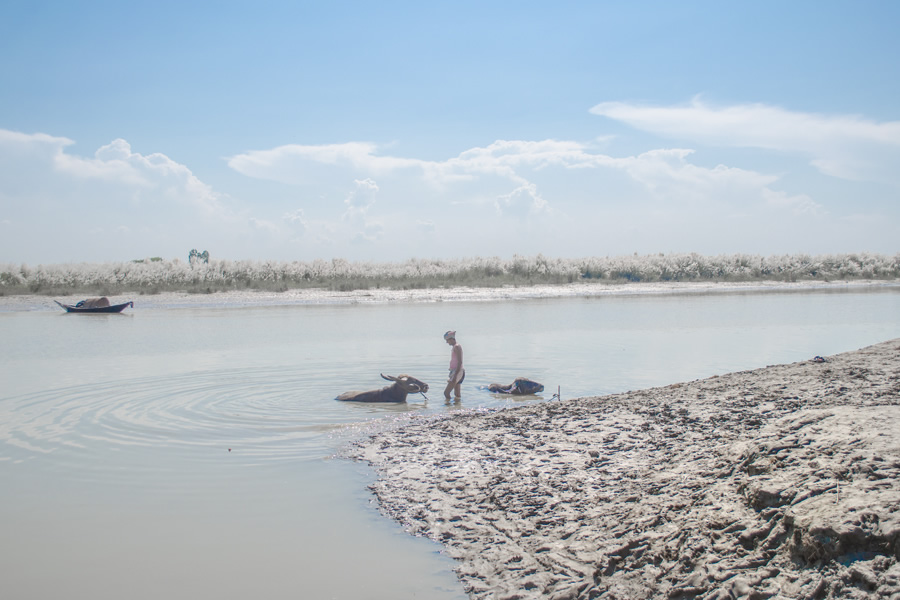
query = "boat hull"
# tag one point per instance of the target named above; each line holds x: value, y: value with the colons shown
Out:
x: 115, y: 308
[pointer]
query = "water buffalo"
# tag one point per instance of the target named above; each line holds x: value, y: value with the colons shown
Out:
x: 396, y: 392
x: 520, y: 387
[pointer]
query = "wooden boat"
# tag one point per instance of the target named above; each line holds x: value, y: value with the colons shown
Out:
x: 94, y: 306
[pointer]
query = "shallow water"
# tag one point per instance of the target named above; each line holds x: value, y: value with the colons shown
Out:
x: 186, y: 452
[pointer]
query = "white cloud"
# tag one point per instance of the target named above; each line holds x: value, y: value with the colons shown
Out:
x: 516, y: 161
x: 113, y: 164
x: 365, y: 203
x: 521, y: 202
x: 264, y: 226
x: 668, y: 172
x: 300, y: 164
x: 846, y: 146
x: 297, y: 220
x: 365, y: 228
x: 33, y: 143
x: 505, y: 175
x: 361, y: 198
x: 757, y: 125
x: 800, y: 204
x: 371, y: 232
x: 116, y: 204
x: 504, y: 156
x: 280, y: 164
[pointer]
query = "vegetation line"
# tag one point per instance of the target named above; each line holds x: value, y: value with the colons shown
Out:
x: 150, y: 276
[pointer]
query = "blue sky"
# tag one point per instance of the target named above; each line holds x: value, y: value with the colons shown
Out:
x: 392, y: 130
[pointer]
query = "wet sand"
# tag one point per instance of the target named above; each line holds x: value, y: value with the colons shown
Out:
x: 779, y: 482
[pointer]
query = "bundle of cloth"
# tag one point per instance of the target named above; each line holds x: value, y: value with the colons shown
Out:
x: 94, y: 303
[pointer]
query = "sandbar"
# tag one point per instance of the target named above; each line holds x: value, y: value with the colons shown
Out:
x: 235, y: 299
x: 779, y: 482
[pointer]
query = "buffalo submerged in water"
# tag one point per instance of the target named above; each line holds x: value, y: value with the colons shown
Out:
x: 522, y: 386
x: 396, y: 392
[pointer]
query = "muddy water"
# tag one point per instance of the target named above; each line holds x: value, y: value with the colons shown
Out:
x: 187, y: 452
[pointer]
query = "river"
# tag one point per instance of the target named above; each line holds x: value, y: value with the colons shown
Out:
x: 185, y: 451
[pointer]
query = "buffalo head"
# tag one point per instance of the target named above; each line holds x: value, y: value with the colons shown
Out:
x: 408, y: 384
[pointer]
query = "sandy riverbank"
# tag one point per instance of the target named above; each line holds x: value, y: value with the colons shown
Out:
x: 779, y: 482
x: 244, y: 298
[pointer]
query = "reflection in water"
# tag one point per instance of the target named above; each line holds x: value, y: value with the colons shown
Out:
x: 185, y: 452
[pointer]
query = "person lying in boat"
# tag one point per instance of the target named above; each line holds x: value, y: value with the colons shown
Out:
x: 520, y: 387
x: 102, y: 302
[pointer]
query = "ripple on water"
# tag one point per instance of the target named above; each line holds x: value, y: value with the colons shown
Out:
x: 265, y: 415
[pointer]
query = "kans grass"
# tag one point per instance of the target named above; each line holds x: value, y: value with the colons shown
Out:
x: 155, y: 275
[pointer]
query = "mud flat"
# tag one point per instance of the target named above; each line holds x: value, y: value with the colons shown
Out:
x: 779, y: 482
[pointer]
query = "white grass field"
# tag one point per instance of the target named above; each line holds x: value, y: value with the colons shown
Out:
x: 155, y: 275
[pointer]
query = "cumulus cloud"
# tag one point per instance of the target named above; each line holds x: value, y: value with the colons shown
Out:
x: 116, y: 161
x: 361, y: 198
x: 799, y: 204
x: 846, y: 146
x: 371, y: 232
x: 499, y: 174
x: 34, y: 144
x: 115, y: 201
x: 521, y: 202
x: 281, y: 163
x: 297, y: 220
x: 505, y: 157
x: 359, y: 201
x: 264, y: 226
x: 515, y: 161
x: 668, y: 170
x: 297, y: 164
x: 506, y: 173
x: 114, y: 164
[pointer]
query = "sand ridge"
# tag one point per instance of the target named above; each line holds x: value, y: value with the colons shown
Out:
x: 779, y: 482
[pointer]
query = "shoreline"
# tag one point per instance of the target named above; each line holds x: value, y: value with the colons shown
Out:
x: 317, y: 296
x: 775, y: 482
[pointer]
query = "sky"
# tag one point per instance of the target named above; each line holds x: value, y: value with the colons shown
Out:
x: 385, y: 131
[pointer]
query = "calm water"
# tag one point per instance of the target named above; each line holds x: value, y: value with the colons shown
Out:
x: 185, y: 452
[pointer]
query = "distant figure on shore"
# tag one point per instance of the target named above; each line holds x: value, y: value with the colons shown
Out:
x: 520, y: 387
x: 457, y: 371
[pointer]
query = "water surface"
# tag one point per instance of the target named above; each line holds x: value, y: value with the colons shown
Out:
x: 186, y: 452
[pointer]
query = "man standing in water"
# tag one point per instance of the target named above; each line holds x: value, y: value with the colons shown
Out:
x: 457, y: 372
